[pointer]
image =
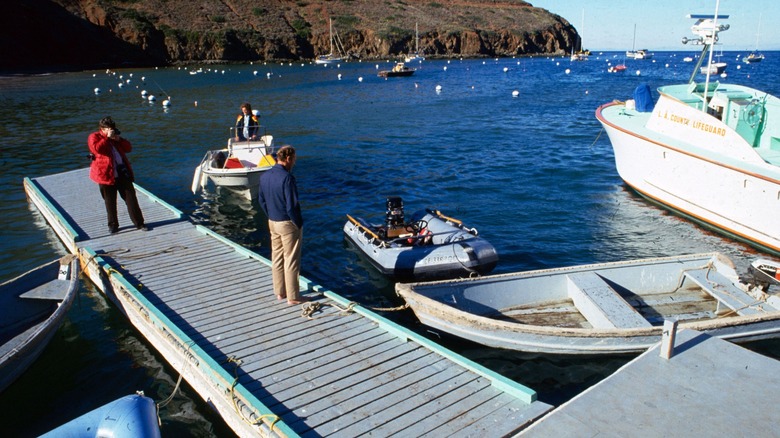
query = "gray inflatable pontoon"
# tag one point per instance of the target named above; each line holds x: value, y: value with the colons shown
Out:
x: 430, y: 246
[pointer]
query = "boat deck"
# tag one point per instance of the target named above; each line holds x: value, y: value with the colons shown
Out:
x: 207, y: 305
x: 709, y: 387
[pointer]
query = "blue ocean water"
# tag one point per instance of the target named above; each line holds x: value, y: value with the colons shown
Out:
x: 533, y: 173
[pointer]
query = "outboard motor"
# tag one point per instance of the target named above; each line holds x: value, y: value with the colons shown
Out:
x: 394, y: 217
x: 763, y: 273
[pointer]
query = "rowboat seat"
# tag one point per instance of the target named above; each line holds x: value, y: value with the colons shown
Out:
x: 601, y: 305
x: 53, y: 290
x: 723, y: 290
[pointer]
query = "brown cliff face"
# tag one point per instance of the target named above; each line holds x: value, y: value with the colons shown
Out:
x: 77, y: 34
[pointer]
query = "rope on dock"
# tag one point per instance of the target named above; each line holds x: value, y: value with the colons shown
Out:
x: 275, y: 418
x: 308, y: 309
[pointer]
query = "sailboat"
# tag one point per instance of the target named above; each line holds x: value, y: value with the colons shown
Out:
x: 416, y: 56
x: 754, y: 56
x: 330, y: 58
x: 637, y: 54
x: 581, y: 55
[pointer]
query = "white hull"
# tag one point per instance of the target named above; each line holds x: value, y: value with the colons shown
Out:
x: 235, y: 178
x: 701, y: 168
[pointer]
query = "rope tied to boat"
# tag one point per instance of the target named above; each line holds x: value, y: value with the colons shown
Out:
x: 234, y: 398
x: 165, y: 402
x: 308, y: 309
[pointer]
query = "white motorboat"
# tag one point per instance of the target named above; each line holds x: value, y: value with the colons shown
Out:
x: 606, y: 308
x: 238, y: 166
x: 706, y: 150
x: 639, y: 54
x: 714, y: 69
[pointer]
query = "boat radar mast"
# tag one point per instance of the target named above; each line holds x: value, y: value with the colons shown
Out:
x: 706, y: 28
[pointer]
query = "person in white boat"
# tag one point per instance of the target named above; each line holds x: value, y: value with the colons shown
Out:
x: 247, y: 124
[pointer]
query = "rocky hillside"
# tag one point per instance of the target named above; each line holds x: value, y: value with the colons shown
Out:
x: 79, y: 34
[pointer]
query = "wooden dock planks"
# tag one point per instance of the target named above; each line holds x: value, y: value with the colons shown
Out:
x: 208, y: 306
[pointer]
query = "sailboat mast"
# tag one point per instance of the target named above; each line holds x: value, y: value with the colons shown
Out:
x: 330, y: 31
x: 417, y: 39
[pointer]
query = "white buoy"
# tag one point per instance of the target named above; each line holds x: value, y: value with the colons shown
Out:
x: 143, y: 93
x: 360, y: 79
x: 723, y: 75
x: 445, y: 68
x: 638, y: 73
x: 506, y: 69
x: 739, y: 67
x: 438, y: 88
x: 567, y: 71
x: 151, y: 98
x: 97, y: 90
x: 557, y: 63
x: 166, y: 103
x: 268, y: 75
x: 339, y: 76
x: 254, y: 72
x: 143, y: 78
x: 376, y: 66
x: 120, y: 85
x: 515, y: 93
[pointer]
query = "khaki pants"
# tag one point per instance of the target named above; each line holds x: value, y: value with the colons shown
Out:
x: 286, y: 258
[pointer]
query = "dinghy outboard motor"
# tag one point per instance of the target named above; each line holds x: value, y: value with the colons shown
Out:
x: 394, y: 217
x: 763, y: 273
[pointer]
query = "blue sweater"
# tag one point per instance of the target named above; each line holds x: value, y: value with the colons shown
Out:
x: 278, y: 196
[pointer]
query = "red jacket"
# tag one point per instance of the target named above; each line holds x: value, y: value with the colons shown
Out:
x: 102, y: 168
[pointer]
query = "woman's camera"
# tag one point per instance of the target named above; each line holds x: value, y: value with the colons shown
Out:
x: 91, y: 157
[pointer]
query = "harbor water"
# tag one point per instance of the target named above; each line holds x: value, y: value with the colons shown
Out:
x: 531, y: 170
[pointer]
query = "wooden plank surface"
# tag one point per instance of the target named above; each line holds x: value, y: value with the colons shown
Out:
x: 600, y: 304
x: 335, y: 374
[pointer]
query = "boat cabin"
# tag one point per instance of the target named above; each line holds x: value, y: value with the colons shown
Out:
x: 744, y: 110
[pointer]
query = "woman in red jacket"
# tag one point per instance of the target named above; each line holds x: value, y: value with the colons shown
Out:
x: 112, y: 171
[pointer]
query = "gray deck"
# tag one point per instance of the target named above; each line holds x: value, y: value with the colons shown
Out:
x: 207, y: 305
x: 709, y: 387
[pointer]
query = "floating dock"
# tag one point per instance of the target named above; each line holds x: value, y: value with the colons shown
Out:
x: 207, y: 305
x: 708, y: 387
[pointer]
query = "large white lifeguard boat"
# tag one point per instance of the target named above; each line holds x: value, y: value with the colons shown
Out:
x: 707, y: 150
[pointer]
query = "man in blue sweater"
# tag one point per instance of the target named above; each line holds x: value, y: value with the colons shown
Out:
x: 279, y: 200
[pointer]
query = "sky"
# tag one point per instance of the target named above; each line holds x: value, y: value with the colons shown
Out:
x: 661, y: 24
